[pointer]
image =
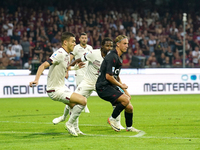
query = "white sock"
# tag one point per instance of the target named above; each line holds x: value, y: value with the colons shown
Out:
x: 76, y: 123
x: 66, y: 111
x: 76, y: 111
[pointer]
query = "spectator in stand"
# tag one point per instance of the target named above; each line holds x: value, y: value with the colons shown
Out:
x: 164, y: 44
x: 145, y: 48
x: 15, y: 37
x: 158, y: 48
x: 129, y: 53
x: 137, y: 48
x: 5, y: 60
x: 56, y: 39
x: 152, y: 43
x: 162, y: 60
x: 8, y: 27
x: 152, y: 61
x: 173, y: 28
x: 11, y: 64
x: 171, y: 40
x: 50, y: 33
x: 187, y: 47
x: 19, y: 52
x: 6, y: 38
x: 10, y: 52
x: 32, y: 45
x: 98, y: 45
x: 179, y: 44
x: 177, y: 61
x: 155, y: 15
x: 196, y: 56
x: 196, y: 36
x: 140, y: 53
x: 1, y: 52
x: 48, y: 51
x: 170, y: 55
x: 167, y: 63
x: 38, y: 51
x: 26, y: 50
x: 43, y: 36
x: 190, y: 60
x: 125, y: 61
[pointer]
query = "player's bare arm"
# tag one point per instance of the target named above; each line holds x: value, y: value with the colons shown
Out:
x: 112, y: 80
x: 39, y: 72
x: 67, y: 74
x: 77, y: 66
x: 75, y: 62
x: 125, y: 91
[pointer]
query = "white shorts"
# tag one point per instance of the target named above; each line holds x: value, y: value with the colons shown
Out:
x: 85, y: 88
x: 62, y: 95
x: 79, y: 78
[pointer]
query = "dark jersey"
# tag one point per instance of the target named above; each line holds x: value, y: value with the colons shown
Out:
x: 111, y: 64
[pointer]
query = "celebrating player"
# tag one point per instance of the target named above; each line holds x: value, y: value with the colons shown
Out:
x: 108, y: 82
x: 56, y: 89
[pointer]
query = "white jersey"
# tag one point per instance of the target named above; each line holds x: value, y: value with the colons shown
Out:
x: 17, y: 49
x: 78, y: 52
x: 57, y: 71
x: 94, y: 59
x: 195, y: 53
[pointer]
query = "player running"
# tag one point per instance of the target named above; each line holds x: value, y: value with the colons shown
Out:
x: 78, y: 52
x: 56, y: 89
x: 108, y: 82
x: 87, y: 86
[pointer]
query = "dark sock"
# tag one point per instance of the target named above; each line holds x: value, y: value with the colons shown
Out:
x: 118, y: 110
x: 129, y: 119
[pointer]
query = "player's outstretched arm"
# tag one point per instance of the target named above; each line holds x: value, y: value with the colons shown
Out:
x: 39, y: 72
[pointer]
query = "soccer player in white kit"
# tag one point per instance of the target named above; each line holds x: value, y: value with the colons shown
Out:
x: 78, y: 52
x: 58, y: 68
x: 87, y: 86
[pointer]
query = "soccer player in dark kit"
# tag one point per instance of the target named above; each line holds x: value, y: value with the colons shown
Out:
x: 108, y: 84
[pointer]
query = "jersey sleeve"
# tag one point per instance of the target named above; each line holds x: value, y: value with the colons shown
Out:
x: 110, y: 64
x: 90, y: 48
x: 87, y: 56
x: 56, y: 57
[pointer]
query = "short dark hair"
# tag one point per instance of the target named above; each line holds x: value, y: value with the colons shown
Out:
x: 83, y: 33
x: 104, y: 41
x: 66, y: 36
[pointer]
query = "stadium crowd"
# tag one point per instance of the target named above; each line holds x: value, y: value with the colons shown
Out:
x: 30, y: 32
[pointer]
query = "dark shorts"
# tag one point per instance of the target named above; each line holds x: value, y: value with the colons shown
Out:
x: 109, y: 93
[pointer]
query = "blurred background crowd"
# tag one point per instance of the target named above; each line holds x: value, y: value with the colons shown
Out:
x: 31, y: 30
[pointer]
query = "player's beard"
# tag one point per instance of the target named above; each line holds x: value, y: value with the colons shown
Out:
x: 83, y: 44
x: 104, y: 52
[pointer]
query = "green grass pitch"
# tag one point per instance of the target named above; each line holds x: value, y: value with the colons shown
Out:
x: 171, y: 122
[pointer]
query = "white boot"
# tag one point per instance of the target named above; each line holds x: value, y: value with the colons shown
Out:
x: 78, y: 131
x: 63, y: 117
